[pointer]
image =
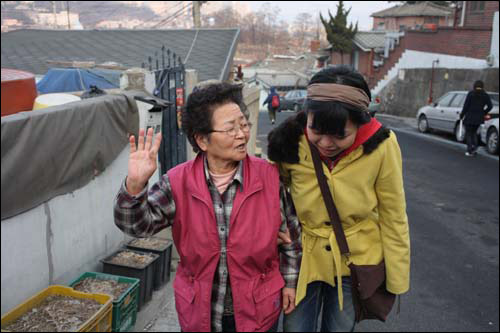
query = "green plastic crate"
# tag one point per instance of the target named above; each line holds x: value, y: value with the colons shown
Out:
x: 125, y: 305
x: 128, y: 320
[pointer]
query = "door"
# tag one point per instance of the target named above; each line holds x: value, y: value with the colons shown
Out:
x: 436, y: 115
x: 452, y: 114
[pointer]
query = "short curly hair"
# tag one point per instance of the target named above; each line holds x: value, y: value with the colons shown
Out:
x: 201, y: 104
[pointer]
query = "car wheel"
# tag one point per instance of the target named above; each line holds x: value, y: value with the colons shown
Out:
x: 492, y: 141
x: 460, y: 137
x: 423, y: 124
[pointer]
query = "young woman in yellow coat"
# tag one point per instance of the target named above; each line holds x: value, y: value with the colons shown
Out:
x: 363, y: 167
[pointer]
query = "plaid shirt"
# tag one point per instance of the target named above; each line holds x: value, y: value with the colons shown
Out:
x: 148, y: 212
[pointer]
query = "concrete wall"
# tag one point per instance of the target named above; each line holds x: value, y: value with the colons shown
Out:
x: 409, y: 90
x: 494, y: 41
x: 251, y: 96
x: 414, y: 59
x: 66, y: 236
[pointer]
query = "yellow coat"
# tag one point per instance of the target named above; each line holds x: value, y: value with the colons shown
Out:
x: 369, y: 196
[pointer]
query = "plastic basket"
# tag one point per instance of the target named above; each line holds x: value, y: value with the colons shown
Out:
x: 99, y: 322
x: 143, y: 273
x: 125, y: 304
x: 162, y: 271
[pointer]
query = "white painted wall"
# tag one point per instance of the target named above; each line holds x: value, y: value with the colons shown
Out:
x: 59, y: 240
x: 494, y: 40
x: 417, y: 59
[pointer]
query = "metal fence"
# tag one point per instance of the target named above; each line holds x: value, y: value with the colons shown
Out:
x: 169, y: 74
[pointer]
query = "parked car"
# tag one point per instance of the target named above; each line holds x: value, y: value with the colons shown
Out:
x: 489, y: 133
x: 293, y: 100
x: 444, y: 115
x: 374, y: 106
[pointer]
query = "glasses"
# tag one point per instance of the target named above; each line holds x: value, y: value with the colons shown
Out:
x: 245, y: 128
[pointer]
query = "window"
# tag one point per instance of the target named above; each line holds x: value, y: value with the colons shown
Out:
x: 494, y: 98
x: 458, y: 101
x: 446, y: 99
x: 476, y: 6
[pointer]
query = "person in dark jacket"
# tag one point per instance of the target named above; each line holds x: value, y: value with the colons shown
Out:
x: 473, y: 114
x: 269, y: 101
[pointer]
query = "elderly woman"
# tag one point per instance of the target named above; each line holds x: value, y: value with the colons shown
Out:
x: 361, y: 161
x: 226, y: 210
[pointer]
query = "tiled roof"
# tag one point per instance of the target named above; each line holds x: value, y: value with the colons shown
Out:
x: 369, y: 39
x: 210, y: 50
x: 420, y: 9
x: 275, y: 78
x: 366, y: 40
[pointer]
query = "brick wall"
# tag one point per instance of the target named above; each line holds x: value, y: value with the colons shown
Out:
x: 474, y: 17
x: 336, y: 59
x: 379, y: 72
x: 465, y: 42
x: 394, y: 23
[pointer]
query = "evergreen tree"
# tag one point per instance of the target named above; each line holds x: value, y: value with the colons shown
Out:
x: 338, y: 34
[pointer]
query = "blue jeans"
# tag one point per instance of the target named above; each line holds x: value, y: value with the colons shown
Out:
x: 305, y: 316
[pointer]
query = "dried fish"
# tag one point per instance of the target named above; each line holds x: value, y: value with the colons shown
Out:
x: 102, y: 286
x: 55, y: 314
x: 150, y: 243
x: 131, y: 258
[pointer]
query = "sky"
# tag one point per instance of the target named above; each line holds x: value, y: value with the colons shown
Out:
x: 361, y: 10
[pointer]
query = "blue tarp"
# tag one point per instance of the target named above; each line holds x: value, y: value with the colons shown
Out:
x: 77, y: 79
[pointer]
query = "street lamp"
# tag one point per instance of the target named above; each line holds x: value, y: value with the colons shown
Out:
x: 432, y: 79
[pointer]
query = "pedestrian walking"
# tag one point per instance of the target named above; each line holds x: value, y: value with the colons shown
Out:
x: 477, y: 104
x: 226, y: 210
x: 361, y: 161
x: 273, y: 104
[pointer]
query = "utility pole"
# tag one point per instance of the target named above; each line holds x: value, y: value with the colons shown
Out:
x: 197, y: 14
x: 55, y: 14
x: 67, y: 7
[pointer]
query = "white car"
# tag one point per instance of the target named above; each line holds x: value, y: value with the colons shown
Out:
x: 444, y: 115
x: 489, y: 133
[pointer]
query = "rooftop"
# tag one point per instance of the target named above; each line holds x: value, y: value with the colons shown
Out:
x: 420, y: 9
x: 210, y: 51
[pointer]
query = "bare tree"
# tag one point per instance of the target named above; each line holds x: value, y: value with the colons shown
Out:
x: 302, y: 27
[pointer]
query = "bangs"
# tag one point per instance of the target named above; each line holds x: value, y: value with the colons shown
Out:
x: 331, y: 118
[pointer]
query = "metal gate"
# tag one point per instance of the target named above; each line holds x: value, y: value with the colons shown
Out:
x: 169, y: 77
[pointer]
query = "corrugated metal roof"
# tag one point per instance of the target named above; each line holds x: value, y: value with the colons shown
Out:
x: 211, y: 52
x: 420, y: 9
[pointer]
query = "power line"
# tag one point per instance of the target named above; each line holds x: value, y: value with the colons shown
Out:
x: 165, y: 12
x: 174, y: 16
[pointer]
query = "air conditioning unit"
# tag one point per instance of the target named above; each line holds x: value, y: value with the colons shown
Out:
x: 490, y: 60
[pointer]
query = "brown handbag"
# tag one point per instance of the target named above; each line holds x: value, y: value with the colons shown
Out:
x: 370, y: 297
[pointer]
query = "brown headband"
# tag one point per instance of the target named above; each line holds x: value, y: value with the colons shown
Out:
x: 339, y: 93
